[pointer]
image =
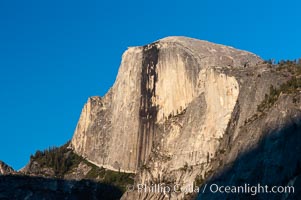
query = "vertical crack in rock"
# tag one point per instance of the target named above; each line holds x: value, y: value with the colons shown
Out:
x: 148, y: 109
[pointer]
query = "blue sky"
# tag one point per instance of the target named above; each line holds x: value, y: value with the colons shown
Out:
x: 55, y: 54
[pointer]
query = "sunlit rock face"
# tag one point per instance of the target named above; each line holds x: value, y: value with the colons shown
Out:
x: 5, y: 169
x: 155, y: 83
x: 169, y: 110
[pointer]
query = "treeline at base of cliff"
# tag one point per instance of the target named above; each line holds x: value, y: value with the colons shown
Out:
x: 59, y: 173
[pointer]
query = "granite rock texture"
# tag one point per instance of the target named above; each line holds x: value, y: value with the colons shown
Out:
x: 181, y: 112
x: 155, y: 83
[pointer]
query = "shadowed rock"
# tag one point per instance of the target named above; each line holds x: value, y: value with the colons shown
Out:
x: 36, y: 188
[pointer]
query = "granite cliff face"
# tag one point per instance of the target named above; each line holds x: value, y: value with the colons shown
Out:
x: 175, y: 106
x: 184, y: 111
x: 156, y: 83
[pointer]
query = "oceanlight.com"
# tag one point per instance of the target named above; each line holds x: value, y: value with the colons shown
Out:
x: 248, y: 189
x: 213, y: 188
